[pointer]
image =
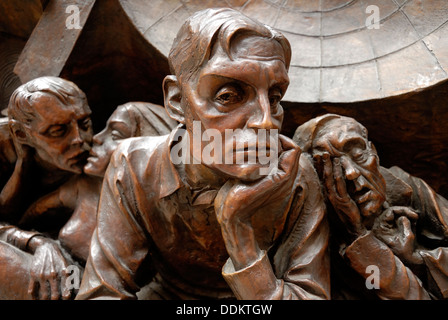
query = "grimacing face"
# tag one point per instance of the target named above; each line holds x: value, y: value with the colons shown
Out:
x: 117, y: 128
x: 347, y: 139
x: 61, y: 134
x: 239, y: 93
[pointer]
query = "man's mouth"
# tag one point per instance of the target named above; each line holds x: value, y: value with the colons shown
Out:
x: 362, y: 196
x: 80, y: 157
x: 359, y: 194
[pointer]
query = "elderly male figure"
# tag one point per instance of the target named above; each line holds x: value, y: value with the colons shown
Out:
x: 213, y: 229
x: 50, y: 125
x: 381, y: 217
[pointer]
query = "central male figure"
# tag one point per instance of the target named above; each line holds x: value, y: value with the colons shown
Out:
x: 215, y: 230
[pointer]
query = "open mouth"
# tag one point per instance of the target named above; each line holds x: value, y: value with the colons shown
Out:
x: 359, y: 194
x: 362, y: 196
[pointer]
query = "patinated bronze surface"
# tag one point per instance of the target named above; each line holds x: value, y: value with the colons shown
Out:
x: 382, y: 217
x: 190, y: 218
x: 49, y: 121
x: 206, y: 197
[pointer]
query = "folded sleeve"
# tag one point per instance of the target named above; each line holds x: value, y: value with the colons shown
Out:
x: 396, y: 281
x: 436, y: 261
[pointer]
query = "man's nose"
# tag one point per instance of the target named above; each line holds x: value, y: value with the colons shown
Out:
x: 351, y: 172
x: 262, y: 115
x: 76, y: 135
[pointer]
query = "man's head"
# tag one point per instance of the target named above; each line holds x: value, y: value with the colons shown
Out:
x: 346, y: 139
x: 230, y: 72
x: 51, y: 115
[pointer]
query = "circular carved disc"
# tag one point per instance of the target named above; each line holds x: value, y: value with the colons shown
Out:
x: 339, y: 54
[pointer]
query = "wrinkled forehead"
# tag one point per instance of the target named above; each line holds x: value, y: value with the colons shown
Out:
x: 254, y: 47
x: 337, y: 133
x: 49, y: 108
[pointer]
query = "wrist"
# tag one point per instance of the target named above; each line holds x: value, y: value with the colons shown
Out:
x: 241, y: 244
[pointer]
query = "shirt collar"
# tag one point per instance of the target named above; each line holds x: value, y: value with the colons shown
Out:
x: 169, y: 178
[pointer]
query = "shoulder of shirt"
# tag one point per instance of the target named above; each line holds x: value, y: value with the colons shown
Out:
x: 137, y: 151
x: 130, y: 146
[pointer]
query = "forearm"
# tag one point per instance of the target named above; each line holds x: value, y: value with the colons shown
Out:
x: 241, y: 244
x: 396, y: 281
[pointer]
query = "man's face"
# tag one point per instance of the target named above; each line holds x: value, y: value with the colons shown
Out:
x: 239, y: 93
x: 118, y: 127
x: 60, y: 134
x: 347, y: 140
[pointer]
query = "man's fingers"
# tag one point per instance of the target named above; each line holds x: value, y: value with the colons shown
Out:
x: 389, y: 216
x: 44, y: 289
x: 65, y: 290
x: 33, y: 289
x: 404, y: 226
x: 328, y: 174
x: 406, y: 212
x: 54, y: 286
x: 288, y: 159
x: 339, y: 179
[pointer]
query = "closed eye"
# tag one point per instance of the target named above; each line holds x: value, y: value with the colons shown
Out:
x: 56, y: 131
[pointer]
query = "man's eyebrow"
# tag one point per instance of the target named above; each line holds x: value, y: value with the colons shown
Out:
x: 48, y: 127
x: 353, y: 141
x: 282, y: 81
x: 84, y: 114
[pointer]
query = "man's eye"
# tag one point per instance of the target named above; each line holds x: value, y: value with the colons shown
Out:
x: 56, y: 131
x: 229, y: 95
x: 274, y: 100
x: 275, y: 95
x: 85, y: 123
x: 359, y: 155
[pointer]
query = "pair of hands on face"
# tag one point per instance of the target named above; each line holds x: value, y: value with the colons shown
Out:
x: 237, y: 202
x: 393, y: 226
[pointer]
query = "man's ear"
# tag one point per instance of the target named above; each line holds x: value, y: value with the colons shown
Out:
x: 172, y: 98
x: 18, y: 131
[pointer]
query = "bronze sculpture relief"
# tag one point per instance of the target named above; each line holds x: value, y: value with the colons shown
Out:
x: 205, y: 198
x: 382, y: 217
x: 49, y: 120
x: 62, y: 214
x: 184, y: 221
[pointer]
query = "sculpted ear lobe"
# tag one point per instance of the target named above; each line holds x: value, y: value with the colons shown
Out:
x: 18, y: 131
x: 172, y: 98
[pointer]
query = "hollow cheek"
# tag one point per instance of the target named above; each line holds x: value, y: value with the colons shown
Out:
x: 52, y: 153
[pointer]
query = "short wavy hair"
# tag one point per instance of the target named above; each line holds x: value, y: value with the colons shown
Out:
x: 194, y: 42
x: 21, y: 103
